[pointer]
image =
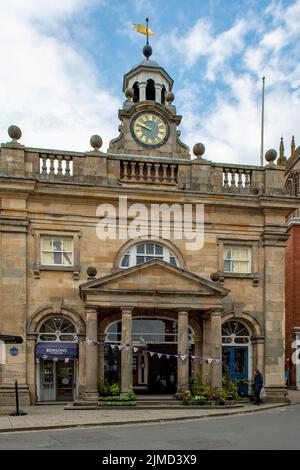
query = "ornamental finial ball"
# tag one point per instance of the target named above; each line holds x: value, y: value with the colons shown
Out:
x: 129, y: 93
x: 14, y: 132
x: 199, y: 150
x: 91, y: 271
x: 147, y: 51
x: 96, y: 142
x: 271, y: 155
x: 170, y: 97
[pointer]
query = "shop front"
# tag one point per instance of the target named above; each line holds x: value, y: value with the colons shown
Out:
x: 56, y: 361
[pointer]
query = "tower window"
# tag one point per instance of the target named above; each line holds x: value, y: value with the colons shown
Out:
x: 136, y: 92
x: 163, y: 94
x: 150, y: 90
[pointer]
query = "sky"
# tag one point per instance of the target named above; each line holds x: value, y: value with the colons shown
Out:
x: 63, y: 61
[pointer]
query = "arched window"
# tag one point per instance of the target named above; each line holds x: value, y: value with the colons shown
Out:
x: 147, y: 251
x: 57, y: 329
x: 136, y: 92
x: 235, y: 332
x: 145, y: 330
x: 150, y: 90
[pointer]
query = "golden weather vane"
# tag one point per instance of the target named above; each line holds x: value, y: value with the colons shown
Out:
x: 144, y: 29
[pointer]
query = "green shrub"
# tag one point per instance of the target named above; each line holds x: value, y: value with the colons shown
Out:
x: 102, y: 389
x: 185, y: 395
x: 130, y: 396
x: 221, y: 395
x: 114, y: 390
x: 117, y: 403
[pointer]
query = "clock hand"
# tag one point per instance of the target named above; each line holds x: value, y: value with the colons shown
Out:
x: 146, y: 127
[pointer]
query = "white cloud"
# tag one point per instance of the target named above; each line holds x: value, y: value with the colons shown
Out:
x: 229, y: 126
x: 47, y: 87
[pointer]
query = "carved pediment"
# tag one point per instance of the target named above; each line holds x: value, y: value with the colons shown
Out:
x: 155, y: 276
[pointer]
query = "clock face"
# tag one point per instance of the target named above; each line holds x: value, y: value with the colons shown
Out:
x: 149, y: 129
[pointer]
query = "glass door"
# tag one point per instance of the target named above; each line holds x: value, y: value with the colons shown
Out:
x: 47, y: 383
x: 64, y: 380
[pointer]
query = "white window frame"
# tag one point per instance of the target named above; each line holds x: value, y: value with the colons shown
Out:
x: 132, y: 252
x: 237, y: 247
x: 61, y: 239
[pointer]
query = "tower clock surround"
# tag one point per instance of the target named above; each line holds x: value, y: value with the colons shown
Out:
x: 149, y: 129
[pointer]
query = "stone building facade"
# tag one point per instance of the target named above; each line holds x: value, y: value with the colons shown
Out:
x: 91, y: 310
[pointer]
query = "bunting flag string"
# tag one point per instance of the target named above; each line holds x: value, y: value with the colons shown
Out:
x: 127, y: 347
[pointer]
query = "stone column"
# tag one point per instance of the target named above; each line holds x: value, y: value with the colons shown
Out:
x: 216, y: 348
x: 126, y: 354
x: 183, y: 349
x: 142, y: 88
x: 206, y: 349
x: 91, y: 356
x: 274, y: 306
x: 158, y: 90
x: 196, y: 367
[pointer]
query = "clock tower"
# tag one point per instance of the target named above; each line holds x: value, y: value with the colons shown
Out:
x: 149, y: 122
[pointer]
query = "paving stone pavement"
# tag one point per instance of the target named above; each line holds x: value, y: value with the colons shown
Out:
x: 54, y: 416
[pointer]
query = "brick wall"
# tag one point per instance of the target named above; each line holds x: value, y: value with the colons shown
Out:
x: 292, y: 295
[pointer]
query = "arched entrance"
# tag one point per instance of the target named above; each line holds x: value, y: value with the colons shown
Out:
x: 236, y: 354
x: 57, y: 359
x: 154, y: 361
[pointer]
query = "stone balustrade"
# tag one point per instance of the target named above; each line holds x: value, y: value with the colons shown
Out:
x: 99, y: 168
x: 237, y: 180
x: 55, y: 166
x: 148, y: 172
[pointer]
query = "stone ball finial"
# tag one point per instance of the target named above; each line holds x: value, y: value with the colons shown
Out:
x: 96, y: 142
x: 14, y: 132
x: 199, y: 150
x: 91, y: 271
x: 170, y: 97
x: 215, y: 276
x: 147, y: 51
x: 129, y: 93
x: 271, y: 155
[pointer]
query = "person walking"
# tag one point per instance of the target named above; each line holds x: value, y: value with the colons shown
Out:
x: 257, y: 386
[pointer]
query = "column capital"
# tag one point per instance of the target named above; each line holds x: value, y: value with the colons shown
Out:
x: 158, y: 86
x: 142, y: 84
x: 127, y: 310
x: 91, y: 312
x: 216, y: 312
x: 182, y: 312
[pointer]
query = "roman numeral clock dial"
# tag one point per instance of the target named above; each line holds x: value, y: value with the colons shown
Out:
x: 149, y: 129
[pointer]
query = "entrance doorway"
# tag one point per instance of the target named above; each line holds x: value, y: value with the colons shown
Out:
x: 57, y: 380
x: 235, y: 353
x: 155, y: 373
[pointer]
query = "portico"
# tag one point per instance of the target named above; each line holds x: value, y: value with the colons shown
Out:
x: 154, y: 289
